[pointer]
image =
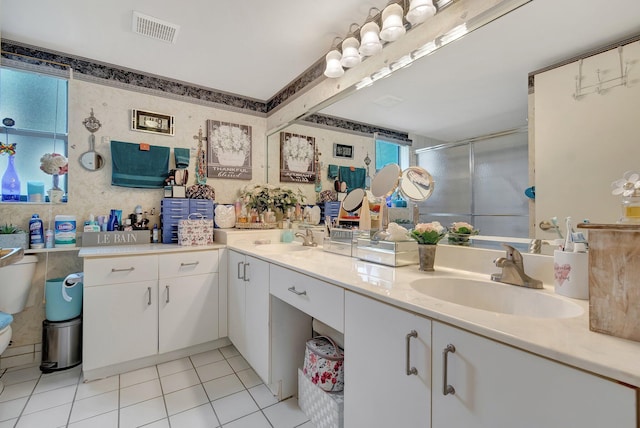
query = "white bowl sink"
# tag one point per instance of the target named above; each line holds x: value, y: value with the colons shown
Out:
x: 497, y: 297
x: 281, y: 248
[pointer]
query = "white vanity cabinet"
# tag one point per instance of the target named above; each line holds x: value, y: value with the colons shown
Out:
x: 497, y: 386
x: 144, y: 305
x: 387, y: 366
x: 188, y: 299
x: 248, y: 309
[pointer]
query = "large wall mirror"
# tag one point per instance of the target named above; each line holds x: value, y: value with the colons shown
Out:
x: 477, y: 86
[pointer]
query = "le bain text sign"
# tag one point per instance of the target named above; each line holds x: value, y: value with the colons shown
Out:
x: 103, y: 239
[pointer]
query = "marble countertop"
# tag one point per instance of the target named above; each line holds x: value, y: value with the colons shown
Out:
x: 142, y: 249
x: 566, y: 340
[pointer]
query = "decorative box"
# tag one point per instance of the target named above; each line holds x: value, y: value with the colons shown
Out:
x: 324, y: 409
x: 343, y: 241
x: 390, y: 253
x: 195, y: 230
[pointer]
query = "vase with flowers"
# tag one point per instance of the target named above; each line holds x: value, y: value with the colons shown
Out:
x: 629, y: 187
x: 266, y: 197
x: 428, y: 235
x: 55, y: 165
x: 460, y: 232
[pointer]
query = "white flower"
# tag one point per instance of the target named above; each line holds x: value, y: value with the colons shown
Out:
x: 233, y: 139
x: 628, y: 185
x: 298, y: 148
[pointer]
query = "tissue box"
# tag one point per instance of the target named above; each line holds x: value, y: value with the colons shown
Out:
x: 614, y: 269
x: 343, y: 241
x: 324, y: 409
x: 390, y: 253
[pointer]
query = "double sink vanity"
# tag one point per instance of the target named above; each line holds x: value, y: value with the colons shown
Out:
x: 443, y: 348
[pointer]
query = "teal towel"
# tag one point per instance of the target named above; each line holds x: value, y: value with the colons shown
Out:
x: 132, y: 167
x: 332, y: 171
x: 355, y: 179
x: 182, y: 157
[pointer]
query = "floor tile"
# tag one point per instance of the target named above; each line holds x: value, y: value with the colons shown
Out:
x: 51, y: 418
x: 106, y: 420
x: 198, y: 417
x: 285, y: 414
x: 254, y: 420
x: 19, y: 361
x: 49, y: 399
x: 174, y: 366
x: 214, y: 371
x: 20, y: 375
x: 180, y: 380
x: 97, y: 387
x: 143, y: 413
x: 206, y: 358
x: 162, y: 423
x: 238, y: 363
x: 263, y: 396
x: 307, y: 424
x: 249, y: 378
x: 223, y: 386
x: 185, y: 399
x: 18, y: 390
x: 140, y: 392
x: 53, y: 381
x: 138, y: 376
x: 229, y: 351
x: 11, y: 409
x: 94, y: 406
x: 234, y: 406
x: 11, y: 423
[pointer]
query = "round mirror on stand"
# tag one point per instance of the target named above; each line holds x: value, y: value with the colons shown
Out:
x: 92, y: 160
x: 416, y: 184
x: 383, y: 184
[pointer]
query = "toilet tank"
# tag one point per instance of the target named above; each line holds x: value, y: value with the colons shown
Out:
x: 15, y: 284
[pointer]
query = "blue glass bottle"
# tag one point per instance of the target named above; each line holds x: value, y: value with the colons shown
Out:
x: 11, y: 182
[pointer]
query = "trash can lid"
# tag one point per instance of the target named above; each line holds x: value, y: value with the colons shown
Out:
x: 5, y: 320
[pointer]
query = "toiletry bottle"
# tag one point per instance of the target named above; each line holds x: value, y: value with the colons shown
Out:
x: 36, y: 232
x: 154, y: 234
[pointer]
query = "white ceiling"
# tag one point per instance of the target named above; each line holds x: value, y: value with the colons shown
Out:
x: 254, y: 48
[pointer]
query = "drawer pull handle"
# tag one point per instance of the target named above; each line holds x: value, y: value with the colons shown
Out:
x: 299, y: 293
x: 167, y: 288
x: 244, y: 273
x: 149, y: 291
x: 239, y: 275
x: 410, y: 370
x: 131, y: 269
x: 189, y: 264
x: 447, y: 389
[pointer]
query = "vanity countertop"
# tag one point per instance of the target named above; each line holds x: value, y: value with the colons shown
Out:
x: 566, y: 340
x: 142, y: 249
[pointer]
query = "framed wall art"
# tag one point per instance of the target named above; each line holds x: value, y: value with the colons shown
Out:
x: 297, y: 153
x: 342, y: 151
x: 228, y: 150
x: 155, y: 123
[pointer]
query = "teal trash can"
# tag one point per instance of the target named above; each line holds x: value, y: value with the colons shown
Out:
x: 63, y: 297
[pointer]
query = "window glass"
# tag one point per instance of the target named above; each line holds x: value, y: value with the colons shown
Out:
x: 38, y: 105
x: 386, y: 153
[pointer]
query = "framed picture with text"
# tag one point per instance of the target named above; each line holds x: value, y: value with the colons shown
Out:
x: 342, y: 151
x: 148, y: 121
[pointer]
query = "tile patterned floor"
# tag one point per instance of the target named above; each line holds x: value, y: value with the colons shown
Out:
x: 212, y: 389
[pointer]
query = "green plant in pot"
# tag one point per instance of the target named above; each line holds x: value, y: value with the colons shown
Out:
x: 12, y: 236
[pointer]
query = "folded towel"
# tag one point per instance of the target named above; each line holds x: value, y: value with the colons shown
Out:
x: 354, y: 177
x: 332, y: 171
x: 182, y: 157
x: 132, y: 167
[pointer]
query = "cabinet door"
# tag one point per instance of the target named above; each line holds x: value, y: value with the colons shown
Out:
x: 257, y: 317
x: 236, y: 300
x: 120, y: 323
x: 378, y: 390
x: 188, y: 311
x: 497, y: 386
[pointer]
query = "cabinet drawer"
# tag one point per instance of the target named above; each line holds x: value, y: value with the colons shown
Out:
x: 313, y: 297
x: 117, y: 270
x: 168, y: 203
x: 188, y: 263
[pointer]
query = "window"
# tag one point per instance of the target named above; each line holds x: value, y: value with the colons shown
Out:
x: 38, y: 105
x: 390, y: 150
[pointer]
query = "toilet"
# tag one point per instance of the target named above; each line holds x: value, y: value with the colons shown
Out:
x: 14, y: 291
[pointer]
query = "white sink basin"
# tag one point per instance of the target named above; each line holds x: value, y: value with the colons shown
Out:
x: 281, y: 248
x: 497, y: 297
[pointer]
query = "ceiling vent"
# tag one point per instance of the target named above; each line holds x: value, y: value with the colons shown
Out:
x: 155, y: 28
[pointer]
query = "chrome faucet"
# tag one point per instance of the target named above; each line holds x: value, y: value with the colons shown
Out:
x: 513, y: 270
x: 307, y: 239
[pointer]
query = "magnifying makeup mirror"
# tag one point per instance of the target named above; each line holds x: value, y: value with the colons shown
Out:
x: 383, y: 184
x: 416, y: 184
x: 92, y: 160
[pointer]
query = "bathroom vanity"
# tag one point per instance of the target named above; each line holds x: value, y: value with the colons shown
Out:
x: 473, y: 367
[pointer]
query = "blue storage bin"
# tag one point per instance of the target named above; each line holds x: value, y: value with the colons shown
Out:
x: 63, y: 297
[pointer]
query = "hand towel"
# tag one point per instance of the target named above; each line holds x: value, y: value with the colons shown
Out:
x: 355, y: 179
x: 181, y: 156
x: 132, y: 167
x: 332, y: 171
